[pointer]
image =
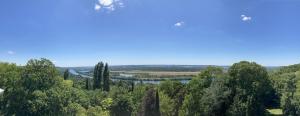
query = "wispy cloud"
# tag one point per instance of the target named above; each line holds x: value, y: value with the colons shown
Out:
x: 11, y: 52
x: 246, y: 18
x: 108, y: 5
x: 97, y: 7
x: 179, y: 24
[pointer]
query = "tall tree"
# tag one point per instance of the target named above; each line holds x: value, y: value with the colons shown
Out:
x: 122, y: 101
x: 289, y: 101
x: 87, y: 84
x: 106, y: 78
x: 95, y: 76
x: 39, y: 75
x: 150, y: 104
x: 166, y: 105
x: 250, y: 85
x: 98, y: 75
x: 132, y: 85
x: 195, y: 90
x: 216, y: 98
x: 9, y: 81
x: 157, y: 108
x: 66, y: 74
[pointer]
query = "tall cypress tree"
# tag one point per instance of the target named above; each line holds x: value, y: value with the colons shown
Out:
x: 157, y: 111
x: 66, y: 74
x: 150, y: 104
x: 132, y: 86
x: 106, y: 78
x: 87, y: 84
x: 95, y: 77
x: 100, y: 75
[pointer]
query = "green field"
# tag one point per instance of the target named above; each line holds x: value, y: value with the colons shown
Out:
x: 275, y: 112
x: 160, y: 73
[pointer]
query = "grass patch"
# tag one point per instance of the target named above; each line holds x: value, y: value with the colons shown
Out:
x: 275, y: 112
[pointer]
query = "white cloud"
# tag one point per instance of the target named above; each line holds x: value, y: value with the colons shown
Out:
x: 245, y: 18
x: 106, y: 2
x: 11, y: 52
x: 179, y: 24
x: 108, y: 5
x: 97, y: 7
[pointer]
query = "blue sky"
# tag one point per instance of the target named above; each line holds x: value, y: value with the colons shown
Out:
x: 83, y: 32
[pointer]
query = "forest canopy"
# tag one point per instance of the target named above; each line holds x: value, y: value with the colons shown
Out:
x: 245, y: 89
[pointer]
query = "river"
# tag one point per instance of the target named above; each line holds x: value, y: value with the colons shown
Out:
x: 127, y: 77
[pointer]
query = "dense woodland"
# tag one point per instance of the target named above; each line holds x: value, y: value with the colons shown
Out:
x: 244, y: 89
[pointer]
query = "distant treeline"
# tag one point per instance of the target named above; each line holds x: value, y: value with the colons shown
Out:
x: 187, y: 68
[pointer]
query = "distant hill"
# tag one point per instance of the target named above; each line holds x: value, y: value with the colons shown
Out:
x: 175, y: 68
x: 182, y: 68
x: 288, y: 69
x: 187, y: 68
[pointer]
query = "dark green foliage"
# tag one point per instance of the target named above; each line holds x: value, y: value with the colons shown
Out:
x: 176, y: 91
x: 101, y: 77
x: 132, y: 86
x: 211, y: 72
x: 290, y: 102
x: 245, y: 90
x: 98, y: 75
x: 250, y: 86
x: 66, y: 74
x: 279, y: 83
x: 9, y: 81
x: 150, y: 104
x: 288, y: 69
x: 196, y: 89
x: 291, y: 106
x: 157, y: 103
x: 122, y: 102
x: 216, y: 98
x: 286, y: 83
x: 96, y: 97
x: 280, y: 80
x: 9, y: 73
x: 39, y: 75
x: 121, y: 107
x: 290, y: 85
x: 36, y: 77
x: 166, y: 105
x: 137, y: 97
x: 106, y: 78
x: 87, y: 84
x: 171, y: 88
x: 95, y: 77
x: 38, y: 90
